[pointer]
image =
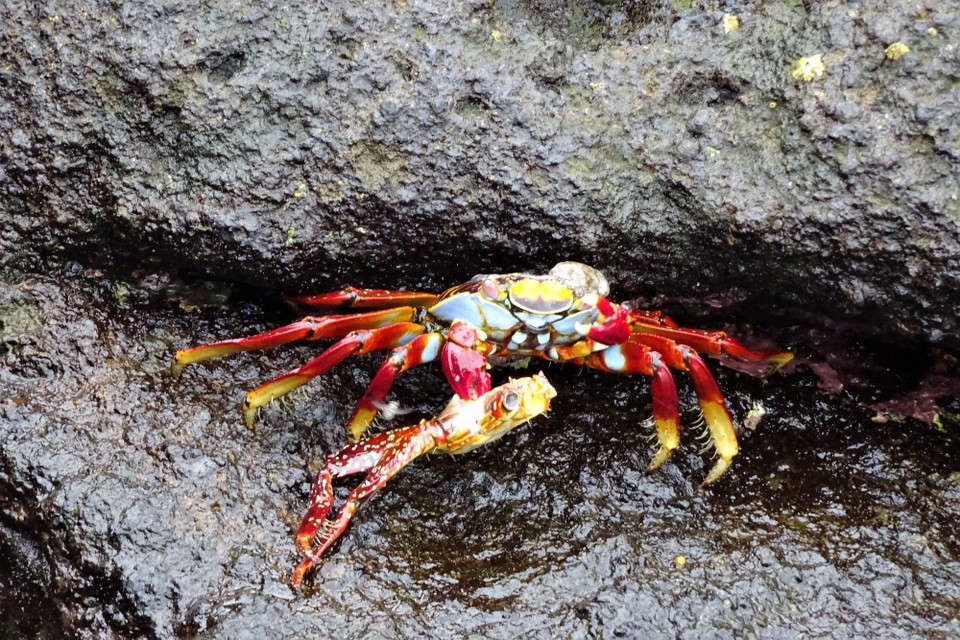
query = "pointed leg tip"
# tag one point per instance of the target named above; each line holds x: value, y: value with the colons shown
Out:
x: 296, y: 580
x: 355, y: 430
x: 249, y: 416
x: 718, y: 469
x: 778, y: 360
x: 659, y: 459
x: 176, y: 367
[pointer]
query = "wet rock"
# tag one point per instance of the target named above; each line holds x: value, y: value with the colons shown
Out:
x: 302, y: 146
x: 133, y: 505
x: 310, y: 144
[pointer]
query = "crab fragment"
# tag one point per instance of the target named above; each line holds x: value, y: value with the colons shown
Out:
x: 461, y: 427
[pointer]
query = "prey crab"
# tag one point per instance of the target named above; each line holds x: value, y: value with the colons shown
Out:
x: 563, y: 316
x: 463, y: 426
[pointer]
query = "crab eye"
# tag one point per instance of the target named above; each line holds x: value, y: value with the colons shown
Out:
x: 490, y: 290
x: 511, y: 402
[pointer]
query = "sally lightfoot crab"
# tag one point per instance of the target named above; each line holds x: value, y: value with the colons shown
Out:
x: 461, y: 427
x: 563, y: 316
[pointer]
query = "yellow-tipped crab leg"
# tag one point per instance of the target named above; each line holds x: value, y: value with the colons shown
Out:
x: 711, y: 342
x: 309, y: 328
x: 464, y: 365
x: 354, y: 343
x: 714, y: 413
x: 632, y: 358
x: 712, y: 405
x: 422, y: 349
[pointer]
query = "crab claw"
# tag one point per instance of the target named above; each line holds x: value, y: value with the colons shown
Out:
x: 612, y: 325
x: 465, y: 368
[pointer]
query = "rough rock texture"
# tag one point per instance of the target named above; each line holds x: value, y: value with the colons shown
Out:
x: 151, y: 148
x: 294, y: 144
x: 132, y: 505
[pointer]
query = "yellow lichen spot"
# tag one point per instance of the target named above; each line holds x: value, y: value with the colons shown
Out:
x: 808, y: 68
x: 896, y: 50
x: 680, y: 562
x: 121, y: 293
x: 730, y: 23
x: 496, y: 35
x: 598, y: 86
x: 290, y: 234
x: 772, y: 104
x: 932, y: 32
x: 300, y: 191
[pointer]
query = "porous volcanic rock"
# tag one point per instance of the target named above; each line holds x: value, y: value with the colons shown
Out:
x: 307, y: 144
x: 165, y: 163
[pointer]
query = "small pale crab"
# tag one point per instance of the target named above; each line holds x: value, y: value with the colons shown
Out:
x: 562, y: 316
x: 464, y: 425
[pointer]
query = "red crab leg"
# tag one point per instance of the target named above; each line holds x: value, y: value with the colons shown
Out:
x: 309, y: 328
x: 666, y: 418
x: 383, y: 454
x: 353, y: 298
x: 716, y: 415
x: 712, y: 342
x: 423, y: 348
x: 655, y: 318
x: 463, y: 363
x: 711, y: 402
x: 631, y: 357
x: 354, y: 343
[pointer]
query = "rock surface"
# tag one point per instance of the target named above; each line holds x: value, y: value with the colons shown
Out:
x: 151, y: 149
x: 133, y: 505
x: 302, y: 145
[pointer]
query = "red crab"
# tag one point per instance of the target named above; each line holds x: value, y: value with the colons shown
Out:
x: 563, y: 316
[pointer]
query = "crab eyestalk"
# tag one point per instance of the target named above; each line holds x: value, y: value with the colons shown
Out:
x: 581, y: 278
